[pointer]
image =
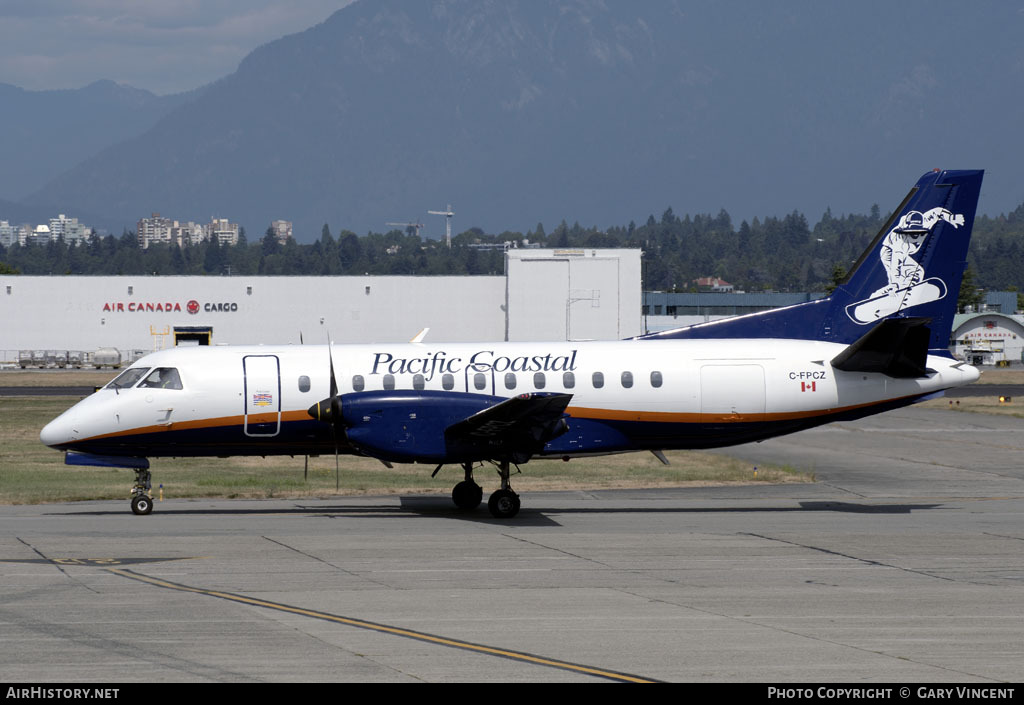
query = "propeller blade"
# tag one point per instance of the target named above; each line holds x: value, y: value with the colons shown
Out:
x: 335, y: 414
x: 330, y: 359
x: 329, y: 409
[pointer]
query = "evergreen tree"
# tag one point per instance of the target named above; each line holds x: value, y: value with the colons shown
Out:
x: 970, y: 295
x: 835, y: 278
x: 213, y: 258
x: 269, y: 245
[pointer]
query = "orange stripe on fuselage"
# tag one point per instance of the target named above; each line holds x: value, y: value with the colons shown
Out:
x: 580, y: 412
x: 222, y: 421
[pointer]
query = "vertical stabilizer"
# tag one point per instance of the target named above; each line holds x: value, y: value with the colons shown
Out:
x: 913, y: 268
x: 915, y: 265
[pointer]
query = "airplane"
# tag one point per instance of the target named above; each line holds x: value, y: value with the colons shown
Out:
x: 878, y: 342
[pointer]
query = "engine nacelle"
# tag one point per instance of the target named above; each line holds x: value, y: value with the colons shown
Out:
x: 409, y: 426
x: 452, y: 427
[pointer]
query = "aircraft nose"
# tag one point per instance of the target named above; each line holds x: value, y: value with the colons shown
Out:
x: 58, y: 431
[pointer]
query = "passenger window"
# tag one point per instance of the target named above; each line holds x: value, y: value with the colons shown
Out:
x: 539, y: 380
x: 627, y: 379
x: 568, y: 380
x: 656, y: 380
x: 448, y: 382
x: 389, y: 382
x: 598, y: 380
x: 510, y: 380
x: 303, y: 383
x: 162, y: 378
x: 418, y: 383
x: 358, y: 383
x: 479, y: 380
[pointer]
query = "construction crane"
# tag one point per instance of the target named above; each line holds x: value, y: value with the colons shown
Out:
x: 409, y: 225
x: 447, y: 223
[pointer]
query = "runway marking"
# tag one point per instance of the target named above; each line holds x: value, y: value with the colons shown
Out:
x: 386, y: 629
x: 102, y: 562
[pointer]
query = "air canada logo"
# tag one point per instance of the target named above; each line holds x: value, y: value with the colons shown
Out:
x: 907, y: 285
x: 192, y: 307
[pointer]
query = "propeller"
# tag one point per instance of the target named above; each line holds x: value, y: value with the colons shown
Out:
x: 329, y: 411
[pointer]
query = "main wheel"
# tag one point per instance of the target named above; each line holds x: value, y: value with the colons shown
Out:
x: 467, y: 495
x: 141, y: 504
x: 503, y: 504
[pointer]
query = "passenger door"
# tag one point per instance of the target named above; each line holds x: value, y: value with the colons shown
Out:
x: 262, y: 382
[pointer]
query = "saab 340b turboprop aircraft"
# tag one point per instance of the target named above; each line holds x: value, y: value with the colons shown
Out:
x: 879, y: 342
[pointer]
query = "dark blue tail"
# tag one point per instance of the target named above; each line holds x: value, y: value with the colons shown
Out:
x: 913, y: 268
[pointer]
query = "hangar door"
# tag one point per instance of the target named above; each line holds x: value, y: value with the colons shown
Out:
x: 262, y: 392
x: 563, y: 298
x: 537, y: 299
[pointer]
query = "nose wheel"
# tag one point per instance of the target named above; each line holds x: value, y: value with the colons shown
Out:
x: 142, y: 501
x: 141, y: 504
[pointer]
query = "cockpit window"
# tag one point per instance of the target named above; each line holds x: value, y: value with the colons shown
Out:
x: 162, y: 378
x: 128, y: 378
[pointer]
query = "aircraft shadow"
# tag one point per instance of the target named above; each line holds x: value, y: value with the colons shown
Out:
x: 528, y: 516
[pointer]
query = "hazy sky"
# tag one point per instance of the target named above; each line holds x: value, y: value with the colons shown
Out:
x: 164, y: 46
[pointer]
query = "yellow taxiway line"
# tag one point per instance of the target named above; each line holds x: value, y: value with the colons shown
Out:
x: 385, y: 629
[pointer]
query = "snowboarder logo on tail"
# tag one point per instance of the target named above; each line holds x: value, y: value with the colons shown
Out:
x: 907, y: 284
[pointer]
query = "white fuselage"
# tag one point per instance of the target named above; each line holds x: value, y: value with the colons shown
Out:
x: 695, y: 393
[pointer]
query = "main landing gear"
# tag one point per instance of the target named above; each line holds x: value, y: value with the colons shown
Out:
x: 467, y: 494
x: 142, y: 498
x: 503, y: 503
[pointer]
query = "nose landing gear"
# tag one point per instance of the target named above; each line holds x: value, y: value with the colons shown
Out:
x: 142, y: 498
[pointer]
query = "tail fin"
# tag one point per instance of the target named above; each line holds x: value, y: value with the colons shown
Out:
x: 913, y: 267
x: 916, y: 263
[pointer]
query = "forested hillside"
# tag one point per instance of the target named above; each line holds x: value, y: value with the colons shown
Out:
x: 777, y: 254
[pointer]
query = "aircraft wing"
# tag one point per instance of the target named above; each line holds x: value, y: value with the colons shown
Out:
x: 517, y: 427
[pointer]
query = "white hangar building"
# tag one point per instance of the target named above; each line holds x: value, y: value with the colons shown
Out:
x: 573, y: 294
x: 989, y: 338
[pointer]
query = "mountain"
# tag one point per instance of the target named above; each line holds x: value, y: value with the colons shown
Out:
x: 602, y: 111
x: 48, y: 132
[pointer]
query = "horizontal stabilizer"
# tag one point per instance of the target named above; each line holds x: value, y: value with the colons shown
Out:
x: 897, y: 347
